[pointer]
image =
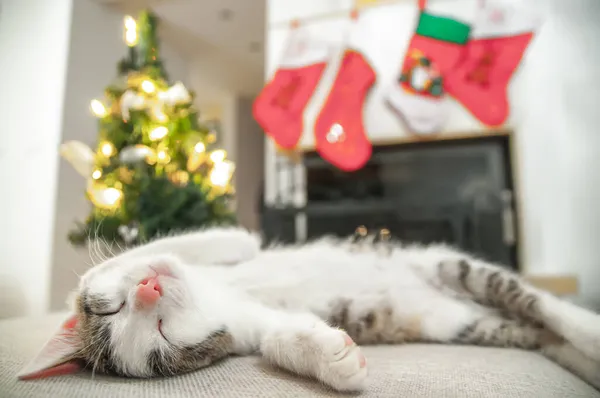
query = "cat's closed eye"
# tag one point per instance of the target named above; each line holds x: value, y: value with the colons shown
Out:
x: 108, y: 313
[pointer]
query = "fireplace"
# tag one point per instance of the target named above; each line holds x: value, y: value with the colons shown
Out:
x: 458, y: 192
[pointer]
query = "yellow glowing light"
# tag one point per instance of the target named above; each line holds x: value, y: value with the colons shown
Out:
x: 158, y: 133
x: 107, y: 149
x: 195, y: 161
x: 218, y: 156
x: 130, y: 22
x: 199, y: 147
x: 96, y: 174
x: 98, y: 108
x: 131, y: 36
x: 180, y: 177
x: 111, y: 196
x: 221, y: 174
x: 148, y: 86
x: 163, y: 157
x: 212, y: 137
x: 106, y: 198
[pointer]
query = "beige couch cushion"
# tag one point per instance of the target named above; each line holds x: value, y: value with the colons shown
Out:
x: 395, y: 371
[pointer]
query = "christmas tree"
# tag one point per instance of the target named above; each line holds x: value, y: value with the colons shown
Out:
x: 154, y: 170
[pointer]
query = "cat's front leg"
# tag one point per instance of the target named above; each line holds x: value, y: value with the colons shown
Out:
x: 303, y: 344
x: 216, y: 246
x: 309, y: 347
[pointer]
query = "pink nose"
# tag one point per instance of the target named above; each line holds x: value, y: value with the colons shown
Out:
x: 148, y: 292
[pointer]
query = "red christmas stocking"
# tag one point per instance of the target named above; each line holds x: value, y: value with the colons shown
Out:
x: 339, y: 132
x: 500, y: 35
x: 418, y: 96
x: 280, y: 105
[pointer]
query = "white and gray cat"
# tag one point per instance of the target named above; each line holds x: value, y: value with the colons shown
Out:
x: 180, y: 303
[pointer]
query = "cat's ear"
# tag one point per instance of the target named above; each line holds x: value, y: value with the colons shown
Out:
x: 58, y: 356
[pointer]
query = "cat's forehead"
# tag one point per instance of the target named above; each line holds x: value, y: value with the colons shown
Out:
x: 127, y: 264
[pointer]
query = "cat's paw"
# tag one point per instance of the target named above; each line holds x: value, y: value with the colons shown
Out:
x: 341, y: 363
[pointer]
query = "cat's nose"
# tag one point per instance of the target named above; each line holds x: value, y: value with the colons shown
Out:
x: 148, y: 292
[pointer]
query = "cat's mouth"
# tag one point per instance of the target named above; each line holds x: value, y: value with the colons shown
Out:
x: 161, y: 331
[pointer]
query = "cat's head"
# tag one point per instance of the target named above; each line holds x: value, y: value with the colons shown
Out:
x: 138, y: 317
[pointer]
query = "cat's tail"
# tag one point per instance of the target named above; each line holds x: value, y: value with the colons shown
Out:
x: 499, y: 288
x: 496, y: 331
x: 570, y: 358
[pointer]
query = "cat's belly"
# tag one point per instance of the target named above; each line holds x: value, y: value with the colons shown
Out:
x: 331, y: 284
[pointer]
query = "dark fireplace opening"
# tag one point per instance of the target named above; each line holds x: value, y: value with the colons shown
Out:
x: 458, y: 192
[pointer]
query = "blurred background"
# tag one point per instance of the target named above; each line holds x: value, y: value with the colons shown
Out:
x: 494, y: 149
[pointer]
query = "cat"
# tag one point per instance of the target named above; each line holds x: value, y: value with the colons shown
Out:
x: 180, y: 303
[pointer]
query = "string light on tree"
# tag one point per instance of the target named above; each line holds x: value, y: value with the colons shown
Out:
x: 158, y: 133
x: 200, y: 147
x: 107, y: 149
x: 98, y: 108
x: 218, y: 156
x: 131, y: 35
x: 163, y: 157
x: 96, y: 174
x: 221, y: 174
x: 148, y: 87
x: 105, y: 198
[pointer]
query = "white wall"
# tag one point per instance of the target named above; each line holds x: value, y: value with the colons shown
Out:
x: 556, y: 101
x: 249, y: 175
x: 34, y: 40
x: 96, y: 46
x: 554, y: 112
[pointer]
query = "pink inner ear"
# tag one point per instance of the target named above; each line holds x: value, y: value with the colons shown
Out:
x: 58, y: 370
x: 56, y: 356
x: 70, y: 323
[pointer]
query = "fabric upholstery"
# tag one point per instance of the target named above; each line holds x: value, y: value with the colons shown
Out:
x: 395, y: 371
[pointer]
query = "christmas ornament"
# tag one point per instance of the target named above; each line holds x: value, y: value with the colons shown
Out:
x: 280, y: 105
x: 135, y: 154
x: 79, y: 155
x: 131, y: 100
x: 175, y: 95
x: 418, y: 96
x: 156, y: 110
x: 339, y: 132
x: 128, y: 233
x: 501, y: 33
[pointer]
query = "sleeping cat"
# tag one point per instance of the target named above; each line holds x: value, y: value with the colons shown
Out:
x: 180, y: 303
